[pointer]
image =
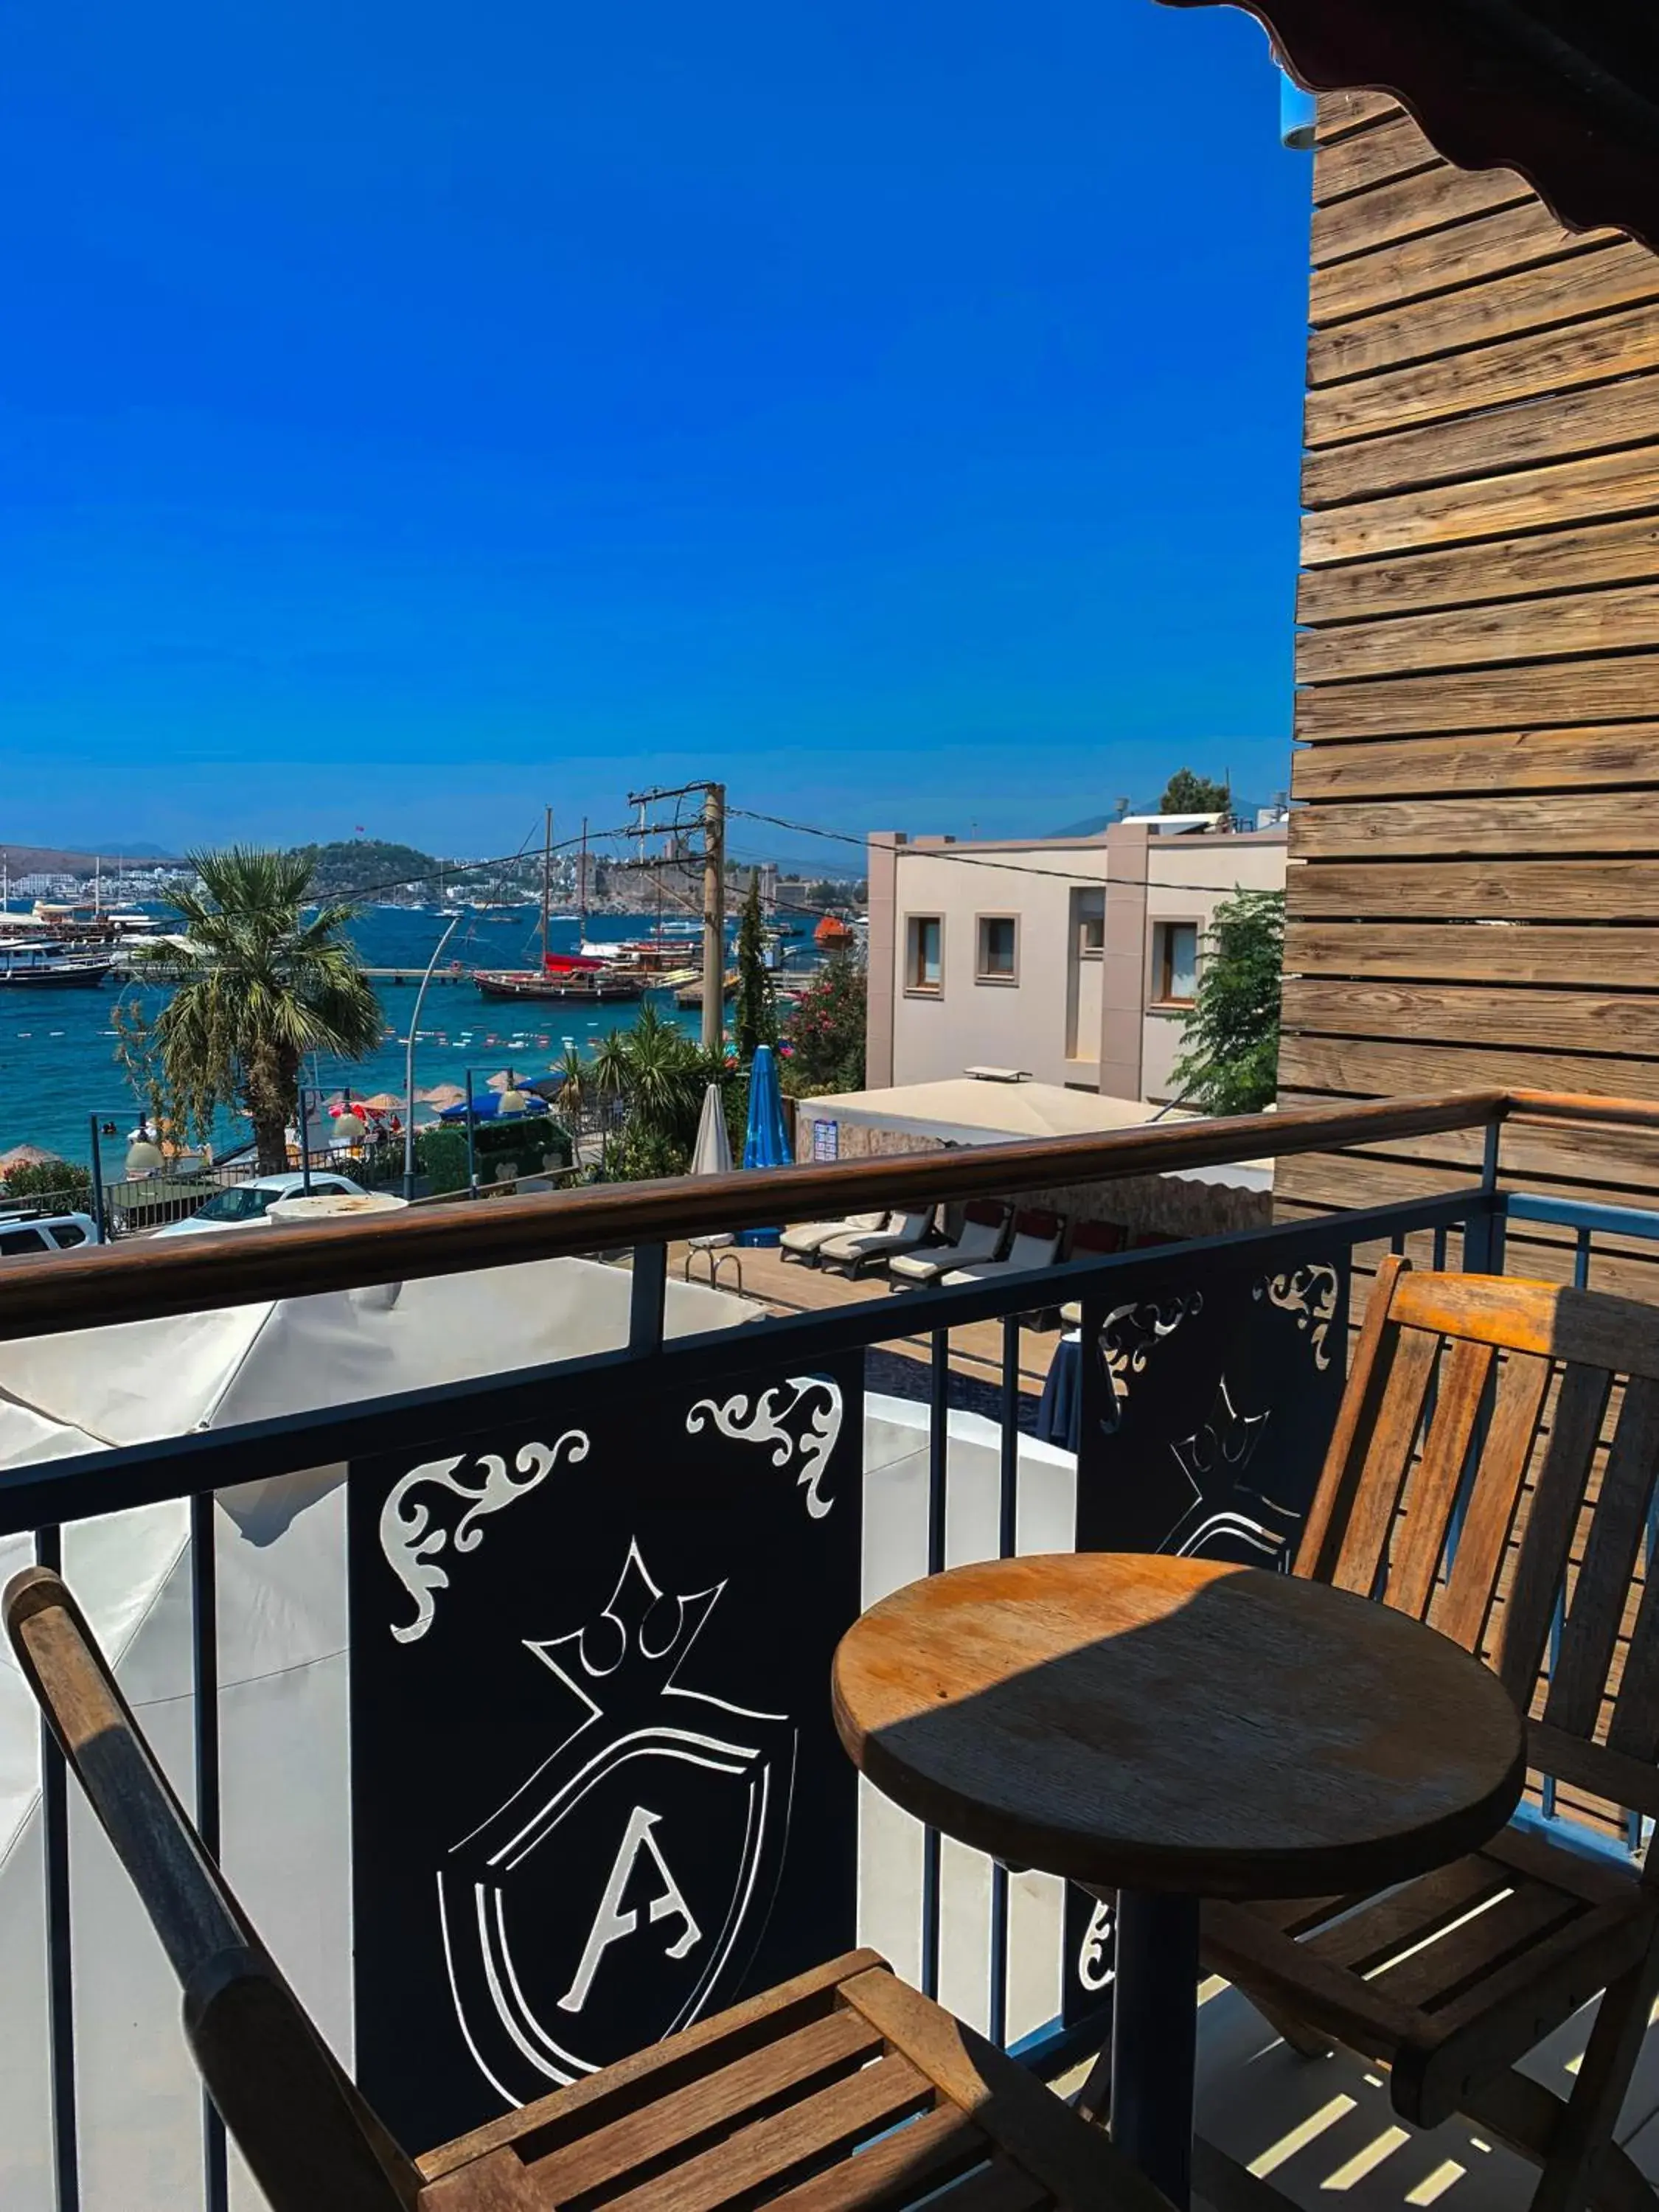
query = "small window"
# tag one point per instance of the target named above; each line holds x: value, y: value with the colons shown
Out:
x: 997, y: 959
x: 1091, y: 916
x: 1174, y: 963
x: 17, y: 1243
x: 67, y: 1236
x: 924, y: 965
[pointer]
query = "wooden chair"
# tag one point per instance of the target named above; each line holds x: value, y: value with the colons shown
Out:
x: 841, y: 2089
x: 1460, y: 1486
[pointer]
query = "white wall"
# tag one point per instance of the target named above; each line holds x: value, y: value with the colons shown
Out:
x: 977, y: 1023
x: 1188, y: 877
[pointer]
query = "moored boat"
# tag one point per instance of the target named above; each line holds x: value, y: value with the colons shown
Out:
x: 46, y: 964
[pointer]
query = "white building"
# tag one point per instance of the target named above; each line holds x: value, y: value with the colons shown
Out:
x: 1074, y: 959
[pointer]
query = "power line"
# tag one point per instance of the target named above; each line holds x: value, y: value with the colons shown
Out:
x: 976, y: 860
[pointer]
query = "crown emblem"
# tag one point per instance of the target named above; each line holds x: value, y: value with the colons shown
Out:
x: 635, y: 1646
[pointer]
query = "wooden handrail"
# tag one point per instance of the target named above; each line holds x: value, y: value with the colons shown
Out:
x: 146, y: 1280
x: 1571, y: 1106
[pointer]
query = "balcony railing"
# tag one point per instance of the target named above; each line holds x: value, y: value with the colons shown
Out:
x: 505, y: 1697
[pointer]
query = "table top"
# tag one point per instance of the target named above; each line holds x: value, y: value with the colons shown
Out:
x: 1177, y: 1725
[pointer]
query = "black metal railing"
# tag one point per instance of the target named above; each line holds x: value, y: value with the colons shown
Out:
x: 715, y: 1461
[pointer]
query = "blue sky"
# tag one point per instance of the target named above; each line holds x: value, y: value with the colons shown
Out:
x: 411, y: 415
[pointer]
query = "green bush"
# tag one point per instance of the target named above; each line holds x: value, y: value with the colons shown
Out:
x: 55, y: 1179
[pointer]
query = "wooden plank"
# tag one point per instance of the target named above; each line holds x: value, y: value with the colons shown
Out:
x: 1516, y: 890
x: 1588, y: 282
x: 1462, y: 1609
x: 1337, y: 114
x: 1361, y: 1067
x: 1547, y: 628
x: 1622, y: 552
x: 1474, y: 952
x: 1365, y: 158
x: 1038, y: 2132
x: 676, y: 2120
x: 1426, y: 200
x: 1600, y: 1160
x: 1461, y: 1014
x: 1579, y: 1676
x: 1404, y: 1918
x: 1621, y: 688
x: 1389, y: 1448
x: 1463, y: 1958
x: 1414, y: 1560
x: 1556, y: 426
x: 1400, y: 270
x: 1624, y: 822
x: 927, y: 2151
x: 1614, y: 754
x: 1541, y: 1563
x: 1490, y: 505
x: 818, y: 2128
x: 1554, y: 361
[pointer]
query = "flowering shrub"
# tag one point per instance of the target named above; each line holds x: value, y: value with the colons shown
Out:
x: 822, y: 1047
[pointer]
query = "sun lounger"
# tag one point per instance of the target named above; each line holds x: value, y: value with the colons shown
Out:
x: 868, y: 1248
x: 1037, y: 1244
x: 807, y: 1238
x: 984, y: 1225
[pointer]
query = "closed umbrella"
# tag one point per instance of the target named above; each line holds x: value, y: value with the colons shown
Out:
x: 712, y: 1154
x: 766, y: 1144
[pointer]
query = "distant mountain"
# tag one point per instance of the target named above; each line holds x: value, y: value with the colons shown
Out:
x: 55, y: 859
x: 1091, y: 828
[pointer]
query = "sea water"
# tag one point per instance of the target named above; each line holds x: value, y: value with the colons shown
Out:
x: 57, y: 1064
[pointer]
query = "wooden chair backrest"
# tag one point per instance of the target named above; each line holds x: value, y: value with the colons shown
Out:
x: 1456, y: 1489
x: 314, y: 2143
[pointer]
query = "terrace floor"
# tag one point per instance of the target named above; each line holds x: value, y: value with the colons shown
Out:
x: 1323, y: 2132
x: 783, y: 1287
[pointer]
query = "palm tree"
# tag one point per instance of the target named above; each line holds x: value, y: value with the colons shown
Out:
x: 260, y: 987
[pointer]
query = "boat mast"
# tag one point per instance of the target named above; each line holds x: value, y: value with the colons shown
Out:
x: 581, y: 889
x: 547, y: 872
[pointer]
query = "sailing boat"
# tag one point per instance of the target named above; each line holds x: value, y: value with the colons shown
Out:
x: 563, y: 975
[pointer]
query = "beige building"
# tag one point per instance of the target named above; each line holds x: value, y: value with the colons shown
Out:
x: 1073, y: 959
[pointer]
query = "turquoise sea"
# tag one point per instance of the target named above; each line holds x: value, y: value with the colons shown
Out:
x: 57, y: 1048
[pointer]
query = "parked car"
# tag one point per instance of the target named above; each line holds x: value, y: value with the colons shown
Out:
x: 245, y: 1203
x: 25, y: 1232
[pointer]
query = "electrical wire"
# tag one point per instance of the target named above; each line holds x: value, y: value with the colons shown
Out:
x: 975, y: 860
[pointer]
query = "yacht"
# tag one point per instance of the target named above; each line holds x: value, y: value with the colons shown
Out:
x: 48, y: 963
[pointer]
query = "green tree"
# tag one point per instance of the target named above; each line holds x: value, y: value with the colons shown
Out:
x: 1187, y: 793
x: 824, y: 1036
x: 1229, y: 1062
x: 259, y: 988
x: 756, y: 1017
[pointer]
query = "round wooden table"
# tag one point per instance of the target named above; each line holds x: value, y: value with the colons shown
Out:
x: 1174, y: 1729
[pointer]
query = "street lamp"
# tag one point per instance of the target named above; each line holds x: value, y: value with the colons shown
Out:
x: 408, y: 1061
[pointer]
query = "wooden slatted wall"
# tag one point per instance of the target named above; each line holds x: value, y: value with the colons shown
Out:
x: 1475, y: 888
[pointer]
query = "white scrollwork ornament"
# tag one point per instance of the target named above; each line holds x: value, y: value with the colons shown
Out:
x: 1129, y: 1331
x: 1095, y: 1969
x: 413, y: 1543
x: 1310, y: 1293
x: 771, y: 1418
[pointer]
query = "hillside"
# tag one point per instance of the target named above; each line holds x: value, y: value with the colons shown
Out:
x: 374, y: 865
x: 57, y: 860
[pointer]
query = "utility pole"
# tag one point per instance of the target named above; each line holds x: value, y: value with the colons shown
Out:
x: 714, y: 916
x: 714, y: 898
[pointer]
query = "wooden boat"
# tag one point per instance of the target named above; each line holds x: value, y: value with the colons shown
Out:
x: 563, y: 976
x: 50, y: 966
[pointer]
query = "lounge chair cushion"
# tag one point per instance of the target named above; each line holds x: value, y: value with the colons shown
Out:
x: 812, y: 1236
x: 980, y: 1234
x: 908, y: 1229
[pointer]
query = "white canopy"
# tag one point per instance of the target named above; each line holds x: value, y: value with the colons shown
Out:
x: 967, y: 1109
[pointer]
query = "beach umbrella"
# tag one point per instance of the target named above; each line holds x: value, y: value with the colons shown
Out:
x: 766, y: 1143
x: 382, y: 1102
x: 442, y: 1094
x: 712, y: 1154
x: 488, y: 1106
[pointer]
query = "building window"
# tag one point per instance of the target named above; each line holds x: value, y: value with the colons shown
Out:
x: 1175, y: 963
x: 1089, y: 923
x: 996, y: 958
x: 924, y: 947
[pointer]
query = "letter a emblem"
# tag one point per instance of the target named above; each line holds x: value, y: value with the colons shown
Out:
x: 611, y: 1922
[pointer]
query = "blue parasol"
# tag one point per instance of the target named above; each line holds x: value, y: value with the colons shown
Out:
x: 766, y: 1144
x: 487, y: 1107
